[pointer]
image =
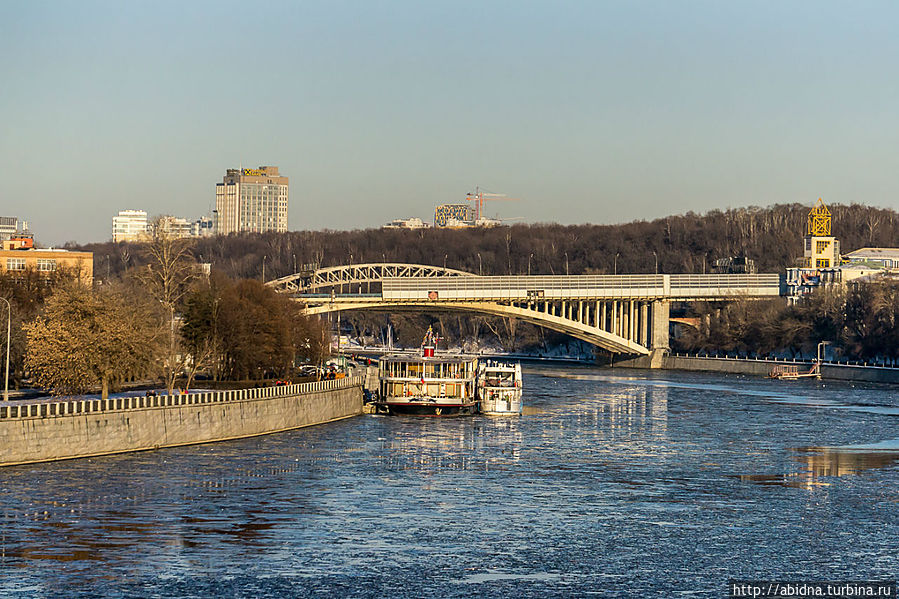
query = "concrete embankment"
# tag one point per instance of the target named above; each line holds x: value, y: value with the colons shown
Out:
x: 840, y: 372
x: 44, y: 431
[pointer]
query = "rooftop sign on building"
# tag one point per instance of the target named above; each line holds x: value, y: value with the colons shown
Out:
x: 251, y: 200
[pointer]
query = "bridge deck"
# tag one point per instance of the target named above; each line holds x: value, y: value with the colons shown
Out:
x: 524, y: 288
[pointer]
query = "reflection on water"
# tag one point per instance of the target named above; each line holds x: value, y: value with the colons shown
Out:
x: 635, y: 409
x: 834, y: 461
x: 823, y: 462
x: 623, y: 485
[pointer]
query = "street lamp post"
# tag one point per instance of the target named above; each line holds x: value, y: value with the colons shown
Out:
x: 350, y: 287
x: 445, y: 256
x: 821, y: 347
x: 566, y: 264
x: 480, y: 265
x: 529, y: 264
x: 8, y: 330
x: 263, y: 268
x: 615, y: 271
x: 294, y: 263
x: 657, y: 261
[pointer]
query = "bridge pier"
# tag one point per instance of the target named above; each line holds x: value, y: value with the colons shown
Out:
x: 659, y: 344
x: 632, y: 328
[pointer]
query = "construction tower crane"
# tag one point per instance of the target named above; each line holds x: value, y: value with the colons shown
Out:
x: 479, y: 197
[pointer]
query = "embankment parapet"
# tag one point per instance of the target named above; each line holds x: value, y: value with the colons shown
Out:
x: 55, y: 430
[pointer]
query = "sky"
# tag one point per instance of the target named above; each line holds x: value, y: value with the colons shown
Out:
x: 589, y: 112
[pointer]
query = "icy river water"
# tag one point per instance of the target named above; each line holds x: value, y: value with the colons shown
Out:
x: 614, y: 483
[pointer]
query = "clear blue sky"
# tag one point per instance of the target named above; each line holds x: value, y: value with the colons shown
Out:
x: 589, y: 111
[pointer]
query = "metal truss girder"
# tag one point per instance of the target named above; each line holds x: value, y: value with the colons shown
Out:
x: 360, y: 273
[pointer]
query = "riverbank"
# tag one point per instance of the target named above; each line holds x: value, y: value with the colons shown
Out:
x: 761, y: 367
x: 42, y: 431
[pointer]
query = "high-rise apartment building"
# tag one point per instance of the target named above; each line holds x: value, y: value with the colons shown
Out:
x: 129, y: 225
x: 253, y: 200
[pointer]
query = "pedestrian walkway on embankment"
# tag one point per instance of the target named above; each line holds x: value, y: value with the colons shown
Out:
x: 871, y: 372
x: 57, y: 429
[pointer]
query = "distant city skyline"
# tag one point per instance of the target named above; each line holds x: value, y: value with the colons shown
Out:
x: 597, y: 112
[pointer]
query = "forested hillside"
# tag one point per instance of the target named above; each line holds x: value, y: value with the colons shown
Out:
x: 687, y: 243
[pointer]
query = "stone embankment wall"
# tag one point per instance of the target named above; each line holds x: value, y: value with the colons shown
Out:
x: 832, y: 371
x: 57, y: 430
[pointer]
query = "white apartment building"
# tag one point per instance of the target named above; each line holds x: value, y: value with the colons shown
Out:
x: 251, y: 200
x: 174, y: 226
x: 202, y: 227
x: 9, y: 226
x: 406, y: 223
x: 129, y: 225
x: 133, y: 225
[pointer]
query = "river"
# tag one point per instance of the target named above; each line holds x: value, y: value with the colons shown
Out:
x: 613, y: 483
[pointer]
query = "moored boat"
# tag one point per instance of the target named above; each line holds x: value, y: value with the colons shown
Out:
x: 499, y: 388
x: 427, y: 384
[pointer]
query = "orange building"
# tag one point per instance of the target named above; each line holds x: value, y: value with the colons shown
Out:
x: 18, y: 256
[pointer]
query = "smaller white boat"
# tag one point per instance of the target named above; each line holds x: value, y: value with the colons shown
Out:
x: 499, y: 388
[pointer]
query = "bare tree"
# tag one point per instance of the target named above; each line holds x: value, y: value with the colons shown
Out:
x: 166, y: 277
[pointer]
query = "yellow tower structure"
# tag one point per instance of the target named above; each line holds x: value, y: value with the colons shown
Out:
x: 819, y: 220
x: 822, y: 250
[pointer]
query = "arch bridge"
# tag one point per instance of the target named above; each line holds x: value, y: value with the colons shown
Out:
x: 626, y: 314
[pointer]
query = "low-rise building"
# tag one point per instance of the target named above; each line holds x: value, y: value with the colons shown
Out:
x: 174, y: 226
x: 860, y: 272
x: 134, y: 226
x: 884, y: 257
x: 15, y: 260
x: 202, y: 227
x: 406, y: 223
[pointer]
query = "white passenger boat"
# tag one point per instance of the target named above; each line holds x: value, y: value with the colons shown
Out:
x: 427, y: 384
x: 499, y: 388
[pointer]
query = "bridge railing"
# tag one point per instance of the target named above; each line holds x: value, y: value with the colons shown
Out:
x: 518, y: 288
x: 537, y: 287
x: 718, y: 285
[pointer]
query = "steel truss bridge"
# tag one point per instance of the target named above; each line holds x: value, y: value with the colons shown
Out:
x: 625, y: 314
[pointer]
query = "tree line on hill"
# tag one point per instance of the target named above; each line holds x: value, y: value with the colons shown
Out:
x: 160, y: 319
x: 687, y: 243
